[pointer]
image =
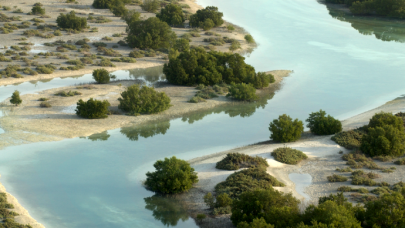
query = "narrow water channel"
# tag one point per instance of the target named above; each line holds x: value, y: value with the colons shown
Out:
x: 97, y: 181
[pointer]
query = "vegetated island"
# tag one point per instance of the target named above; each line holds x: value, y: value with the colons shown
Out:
x: 354, y: 170
x: 38, y: 45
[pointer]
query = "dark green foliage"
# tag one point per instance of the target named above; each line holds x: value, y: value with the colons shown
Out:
x: 210, y: 12
x: 288, y: 155
x: 150, y: 33
x: 223, y: 200
x: 247, y: 180
x: 131, y: 16
x: 400, y: 161
x: 172, y: 14
x: 196, y: 66
x: 209, y: 200
x: 145, y: 100
x: 119, y: 9
x: 71, y: 21
x: 235, y: 161
x: 200, y: 217
x: 320, y: 124
x: 171, y: 176
x: 349, y: 139
x: 387, y: 211
x: 358, y: 160
x: 101, y: 76
x: 15, y: 98
x: 37, y: 10
x: 108, y: 4
x: 345, y: 170
x: 333, y: 214
x: 284, y: 129
x: 385, y: 140
x: 45, y: 69
x: 92, y: 109
x: 256, y: 223
x: 182, y: 45
x: 242, y: 92
x: 337, y: 178
x: 262, y: 80
x: 207, y: 24
x: 275, y: 207
x: 150, y: 5
x: 382, y: 119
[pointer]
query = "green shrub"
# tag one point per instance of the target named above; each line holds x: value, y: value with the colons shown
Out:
x: 102, y: 76
x: 68, y: 94
x: 15, y: 98
x: 256, y: 223
x: 150, y: 33
x: 242, y: 92
x: 206, y: 93
x: 386, y: 211
x: 200, y: 217
x: 235, y: 45
x: 119, y: 10
x: 222, y: 210
x: 345, y: 170
x: 37, y: 10
x: 382, y: 119
x: 207, y: 24
x: 105, y: 63
x: 45, y: 69
x: 235, y: 161
x: 247, y: 180
x: 400, y: 161
x: 275, y: 207
x: 320, y: 124
x: 145, y: 100
x: 284, y: 129
x: 384, y: 158
x: 150, y: 5
x: 249, y: 39
x: 197, y: 100
x: 92, y: 109
x: 43, y: 99
x: 71, y: 21
x: 349, y: 139
x: 337, y: 178
x: 363, y: 180
x: 171, y: 176
x: 210, y: 12
x: 386, y: 140
x: 288, y: 155
x: 345, y: 189
x: 108, y: 4
x: 209, y: 200
x: 172, y: 14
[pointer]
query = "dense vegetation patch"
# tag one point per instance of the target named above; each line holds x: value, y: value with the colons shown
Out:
x: 150, y: 33
x: 386, y: 8
x: 197, y: 66
x: 284, y: 129
x: 172, y: 14
x: 288, y: 155
x: 386, y: 140
x: 320, y: 124
x: 15, y: 98
x: 208, y: 15
x: 235, y: 161
x: 71, y: 21
x: 242, y: 92
x: 247, y: 180
x: 102, y: 76
x: 146, y: 100
x: 172, y: 176
x: 92, y: 109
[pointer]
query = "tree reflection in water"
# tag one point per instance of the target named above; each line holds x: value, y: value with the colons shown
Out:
x: 147, y: 130
x: 166, y: 209
x: 103, y: 136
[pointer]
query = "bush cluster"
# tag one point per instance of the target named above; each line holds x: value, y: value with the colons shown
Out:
x: 320, y: 124
x: 209, y: 15
x: 242, y: 92
x: 235, y: 161
x: 102, y: 76
x: 288, y: 155
x: 71, y: 21
x: 349, y: 139
x: 136, y: 100
x: 172, y: 14
x: 386, y: 8
x: 150, y: 33
x: 197, y: 66
x: 247, y: 180
x: 284, y: 129
x: 171, y: 176
x: 92, y: 109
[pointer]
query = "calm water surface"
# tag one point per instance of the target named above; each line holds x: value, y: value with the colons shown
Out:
x: 96, y: 181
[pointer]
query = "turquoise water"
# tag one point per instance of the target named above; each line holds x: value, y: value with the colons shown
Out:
x: 97, y: 181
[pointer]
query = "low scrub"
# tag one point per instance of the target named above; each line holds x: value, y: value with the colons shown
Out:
x: 288, y: 155
x: 247, y: 180
x: 235, y: 161
x: 349, y: 139
x: 400, y: 161
x: 337, y: 178
x: 45, y: 104
x: 68, y: 94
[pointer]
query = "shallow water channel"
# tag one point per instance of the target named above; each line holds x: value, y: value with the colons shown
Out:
x: 96, y: 181
x: 301, y: 181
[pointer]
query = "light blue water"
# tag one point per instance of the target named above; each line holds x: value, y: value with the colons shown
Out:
x: 97, y: 183
x: 301, y: 181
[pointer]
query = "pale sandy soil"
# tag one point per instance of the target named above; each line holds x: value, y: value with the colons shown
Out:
x: 323, y: 160
x: 84, y: 8
x: 29, y: 122
x: 24, y: 217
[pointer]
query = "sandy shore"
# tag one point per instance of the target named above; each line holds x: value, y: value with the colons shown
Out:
x: 323, y: 160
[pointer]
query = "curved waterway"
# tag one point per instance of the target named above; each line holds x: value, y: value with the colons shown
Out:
x: 97, y: 181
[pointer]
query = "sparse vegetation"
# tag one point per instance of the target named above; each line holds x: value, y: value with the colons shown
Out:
x: 337, y: 178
